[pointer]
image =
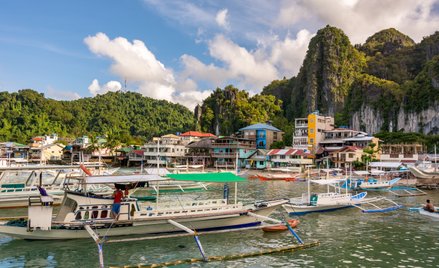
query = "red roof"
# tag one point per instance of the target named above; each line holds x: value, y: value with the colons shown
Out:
x: 139, y: 152
x: 287, y: 152
x: 197, y: 134
x: 349, y: 149
x: 37, y: 138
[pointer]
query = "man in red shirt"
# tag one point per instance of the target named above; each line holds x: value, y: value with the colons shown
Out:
x: 117, y: 195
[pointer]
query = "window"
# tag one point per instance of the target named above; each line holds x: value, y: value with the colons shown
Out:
x: 261, y: 163
x: 282, y: 157
x: 311, y: 140
x: 351, y: 155
x: 311, y: 130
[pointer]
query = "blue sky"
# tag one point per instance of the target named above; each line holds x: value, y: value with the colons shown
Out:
x: 179, y: 50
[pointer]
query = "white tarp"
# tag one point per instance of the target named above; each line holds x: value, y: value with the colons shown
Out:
x: 377, y: 172
x: 123, y: 179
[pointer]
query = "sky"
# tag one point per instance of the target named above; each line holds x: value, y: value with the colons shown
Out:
x: 180, y: 50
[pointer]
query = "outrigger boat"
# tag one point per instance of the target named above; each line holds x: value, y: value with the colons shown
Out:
x: 14, y: 195
x: 81, y: 209
x: 322, y: 202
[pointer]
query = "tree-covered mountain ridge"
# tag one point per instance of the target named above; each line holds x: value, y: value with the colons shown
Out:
x: 129, y: 116
x: 389, y: 83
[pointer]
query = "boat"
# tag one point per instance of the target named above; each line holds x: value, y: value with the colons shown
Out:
x: 373, y: 184
x: 281, y: 227
x: 424, y: 174
x: 322, y: 202
x: 82, y: 211
x: 279, y: 176
x: 16, y: 194
x: 434, y: 215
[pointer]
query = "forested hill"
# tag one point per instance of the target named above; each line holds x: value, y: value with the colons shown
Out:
x: 128, y: 115
x: 389, y: 83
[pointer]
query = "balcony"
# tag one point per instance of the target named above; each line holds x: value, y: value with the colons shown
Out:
x: 223, y: 155
x: 234, y: 145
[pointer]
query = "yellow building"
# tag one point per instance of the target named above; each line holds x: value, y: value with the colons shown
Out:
x: 317, y: 124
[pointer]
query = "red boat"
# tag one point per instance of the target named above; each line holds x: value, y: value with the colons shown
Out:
x: 281, y: 227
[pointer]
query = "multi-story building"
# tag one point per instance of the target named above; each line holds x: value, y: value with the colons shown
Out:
x: 290, y: 158
x: 166, y: 150
x: 226, y: 150
x: 263, y: 134
x: 300, y: 137
x: 192, y: 136
x: 317, y: 125
x: 338, y: 138
x: 44, y: 140
x: 199, y: 152
x: 12, y: 153
x: 346, y: 156
x: 46, y: 153
x: 406, y: 153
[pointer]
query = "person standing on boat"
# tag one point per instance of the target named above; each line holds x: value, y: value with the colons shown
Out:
x: 429, y: 206
x: 117, y: 195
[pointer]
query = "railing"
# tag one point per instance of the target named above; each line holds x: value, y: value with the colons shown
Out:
x: 192, y: 208
x: 223, y: 154
x: 99, y: 211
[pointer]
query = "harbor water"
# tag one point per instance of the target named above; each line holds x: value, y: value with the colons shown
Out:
x: 348, y: 238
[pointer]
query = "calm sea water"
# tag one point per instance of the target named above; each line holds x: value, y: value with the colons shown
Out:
x: 348, y: 238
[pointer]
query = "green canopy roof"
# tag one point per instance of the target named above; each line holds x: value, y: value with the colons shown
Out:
x: 207, y: 177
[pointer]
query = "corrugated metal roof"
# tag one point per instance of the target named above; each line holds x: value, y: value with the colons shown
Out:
x: 261, y: 126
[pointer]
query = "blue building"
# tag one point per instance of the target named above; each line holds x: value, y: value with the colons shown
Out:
x: 263, y: 134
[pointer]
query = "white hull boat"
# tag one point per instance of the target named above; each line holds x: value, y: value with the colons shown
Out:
x: 323, y: 202
x: 373, y: 184
x: 80, y: 210
x: 434, y: 215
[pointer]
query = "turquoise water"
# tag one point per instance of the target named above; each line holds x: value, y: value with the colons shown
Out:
x: 348, y: 238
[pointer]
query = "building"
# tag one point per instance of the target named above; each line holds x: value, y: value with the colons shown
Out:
x: 226, y: 150
x: 346, y: 156
x: 12, y: 153
x: 290, y: 158
x: 191, y: 136
x: 406, y: 153
x: 300, y: 136
x: 317, y: 125
x: 258, y: 160
x: 46, y: 153
x: 199, y: 152
x: 166, y: 150
x: 44, y: 140
x: 263, y: 134
x: 338, y: 138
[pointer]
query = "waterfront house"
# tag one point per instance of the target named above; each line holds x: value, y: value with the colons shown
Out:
x: 346, y: 156
x: 199, y: 152
x: 225, y: 151
x: 12, y: 153
x: 44, y: 140
x: 405, y: 153
x: 290, y: 158
x: 166, y: 150
x: 192, y: 136
x: 258, y: 160
x: 46, y: 153
x: 263, y: 134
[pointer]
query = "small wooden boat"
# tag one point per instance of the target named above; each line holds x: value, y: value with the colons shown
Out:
x: 281, y: 227
x: 282, y: 177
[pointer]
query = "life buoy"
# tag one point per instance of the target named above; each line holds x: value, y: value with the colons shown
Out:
x: 86, y: 171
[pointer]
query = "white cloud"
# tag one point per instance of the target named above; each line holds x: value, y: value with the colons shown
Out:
x: 94, y: 88
x: 134, y: 62
x: 221, y: 18
x: 360, y: 19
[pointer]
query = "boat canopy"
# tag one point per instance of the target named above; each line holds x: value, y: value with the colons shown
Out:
x: 207, y: 177
x: 329, y: 181
x: 157, y: 171
x: 385, y: 164
x: 123, y: 179
x: 361, y: 173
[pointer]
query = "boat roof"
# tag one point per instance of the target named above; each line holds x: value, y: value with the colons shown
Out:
x: 123, y: 178
x: 46, y: 167
x: 157, y: 171
x: 326, y: 182
x: 361, y: 172
x: 385, y: 164
x: 207, y: 177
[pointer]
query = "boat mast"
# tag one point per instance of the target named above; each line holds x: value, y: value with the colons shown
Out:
x: 309, y: 189
x: 435, y: 159
x: 236, y: 172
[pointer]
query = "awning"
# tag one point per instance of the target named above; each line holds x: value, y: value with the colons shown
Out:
x: 207, y: 177
x: 123, y: 179
x: 361, y: 172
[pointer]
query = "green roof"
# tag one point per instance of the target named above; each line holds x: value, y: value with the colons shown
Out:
x: 207, y: 177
